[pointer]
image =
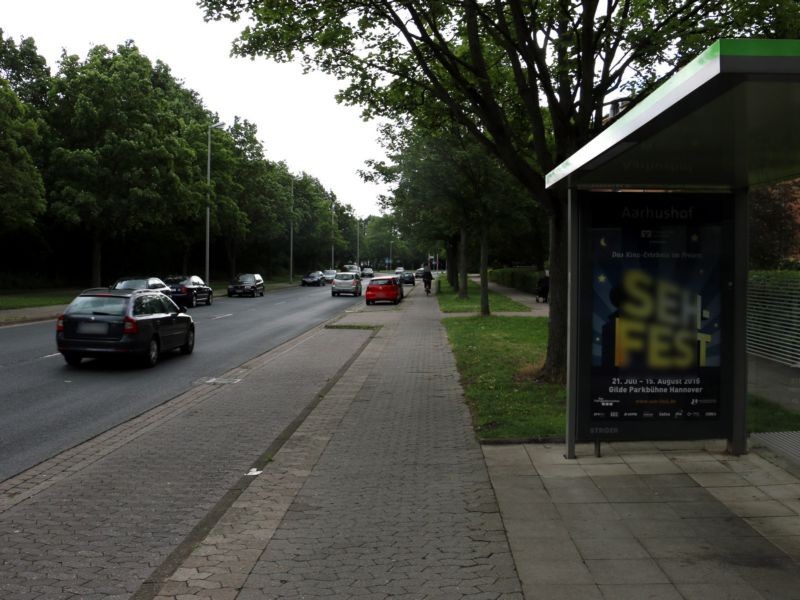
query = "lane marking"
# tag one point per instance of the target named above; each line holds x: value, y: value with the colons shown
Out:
x: 51, y: 355
x: 221, y: 316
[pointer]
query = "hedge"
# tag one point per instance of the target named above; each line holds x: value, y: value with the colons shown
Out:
x: 521, y: 278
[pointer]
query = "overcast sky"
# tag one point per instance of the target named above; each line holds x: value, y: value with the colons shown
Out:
x: 297, y: 117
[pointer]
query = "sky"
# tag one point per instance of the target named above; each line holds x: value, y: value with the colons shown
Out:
x: 298, y: 119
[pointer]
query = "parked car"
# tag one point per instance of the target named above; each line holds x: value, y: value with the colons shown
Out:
x: 398, y: 270
x: 383, y: 288
x: 188, y: 290
x: 367, y: 272
x: 246, y: 284
x: 137, y: 323
x: 314, y: 278
x: 408, y: 277
x: 346, y: 283
x: 418, y: 273
x: 329, y: 275
x: 351, y: 269
x: 138, y: 282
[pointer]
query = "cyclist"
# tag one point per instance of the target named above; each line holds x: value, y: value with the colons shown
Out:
x: 427, y: 277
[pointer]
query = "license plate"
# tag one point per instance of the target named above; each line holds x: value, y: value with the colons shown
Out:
x: 93, y: 328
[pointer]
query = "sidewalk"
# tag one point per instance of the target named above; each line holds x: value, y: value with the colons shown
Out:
x: 375, y: 487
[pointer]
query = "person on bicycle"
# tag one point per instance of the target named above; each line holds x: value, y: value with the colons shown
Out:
x: 427, y: 277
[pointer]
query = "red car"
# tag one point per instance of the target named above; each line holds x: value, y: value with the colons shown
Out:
x: 384, y: 289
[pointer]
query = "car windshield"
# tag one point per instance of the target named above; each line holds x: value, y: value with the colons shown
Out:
x: 380, y: 282
x: 345, y: 276
x: 247, y: 278
x: 97, y: 305
x: 130, y: 284
x: 313, y: 274
x: 330, y: 272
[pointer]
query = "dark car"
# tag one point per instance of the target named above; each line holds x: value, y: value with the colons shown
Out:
x: 246, y: 284
x: 135, y: 323
x: 313, y: 278
x: 408, y: 277
x: 188, y: 290
x: 138, y: 282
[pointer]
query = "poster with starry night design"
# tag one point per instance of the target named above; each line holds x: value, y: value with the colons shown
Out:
x: 657, y: 310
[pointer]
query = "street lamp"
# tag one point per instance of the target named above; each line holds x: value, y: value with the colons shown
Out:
x: 219, y: 125
x: 391, y: 264
x: 332, y: 238
x: 291, y: 229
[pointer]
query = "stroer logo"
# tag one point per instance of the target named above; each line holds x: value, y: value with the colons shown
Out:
x: 658, y: 324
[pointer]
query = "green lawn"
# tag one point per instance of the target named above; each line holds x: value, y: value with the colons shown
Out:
x: 30, y: 299
x: 497, y: 359
x: 449, y: 302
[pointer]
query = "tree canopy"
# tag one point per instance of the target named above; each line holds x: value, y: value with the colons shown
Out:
x: 529, y: 80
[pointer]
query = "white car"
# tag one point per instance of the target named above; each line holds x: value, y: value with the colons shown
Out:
x: 346, y: 283
x: 367, y: 272
x: 399, y: 270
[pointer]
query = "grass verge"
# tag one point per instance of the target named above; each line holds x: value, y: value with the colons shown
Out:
x: 32, y: 299
x: 449, y: 302
x: 763, y: 415
x: 497, y: 358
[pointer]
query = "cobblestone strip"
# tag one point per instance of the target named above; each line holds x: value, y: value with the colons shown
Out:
x: 219, y: 566
x: 27, y: 484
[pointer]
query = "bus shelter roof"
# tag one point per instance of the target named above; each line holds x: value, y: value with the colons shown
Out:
x: 728, y: 120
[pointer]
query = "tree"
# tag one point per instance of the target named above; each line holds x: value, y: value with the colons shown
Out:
x: 21, y: 186
x: 528, y: 80
x: 774, y: 224
x: 116, y: 166
x: 25, y: 70
x: 447, y: 185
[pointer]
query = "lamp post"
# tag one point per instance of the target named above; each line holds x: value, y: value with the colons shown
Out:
x: 391, y: 264
x: 358, y: 243
x: 332, y: 238
x: 291, y: 230
x: 218, y: 125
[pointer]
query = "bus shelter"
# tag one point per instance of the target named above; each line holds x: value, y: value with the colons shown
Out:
x: 658, y: 247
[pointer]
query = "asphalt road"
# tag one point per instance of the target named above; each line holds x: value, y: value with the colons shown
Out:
x: 47, y: 407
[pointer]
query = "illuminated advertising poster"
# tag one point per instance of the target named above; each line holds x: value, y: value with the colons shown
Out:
x: 657, y: 269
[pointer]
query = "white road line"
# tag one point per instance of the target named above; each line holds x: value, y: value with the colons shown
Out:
x: 51, y: 355
x: 221, y: 316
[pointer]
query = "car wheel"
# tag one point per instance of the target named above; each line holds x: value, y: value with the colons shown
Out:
x: 210, y: 298
x: 73, y: 360
x: 151, y: 356
x: 188, y: 346
x: 230, y: 295
x: 193, y: 301
x: 262, y: 293
x: 397, y: 300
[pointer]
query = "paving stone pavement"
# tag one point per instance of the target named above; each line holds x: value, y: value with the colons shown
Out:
x: 382, y: 493
x: 98, y: 522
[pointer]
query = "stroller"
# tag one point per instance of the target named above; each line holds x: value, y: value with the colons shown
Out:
x: 542, y: 289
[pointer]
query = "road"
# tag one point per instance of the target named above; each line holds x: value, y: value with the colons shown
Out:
x: 47, y: 407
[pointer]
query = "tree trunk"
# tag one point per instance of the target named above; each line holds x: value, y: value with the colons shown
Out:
x: 485, y: 269
x: 555, y: 366
x: 97, y: 261
x: 452, y: 262
x: 462, y: 264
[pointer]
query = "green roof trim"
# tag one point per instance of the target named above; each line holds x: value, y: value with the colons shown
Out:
x: 723, y: 56
x: 752, y: 47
